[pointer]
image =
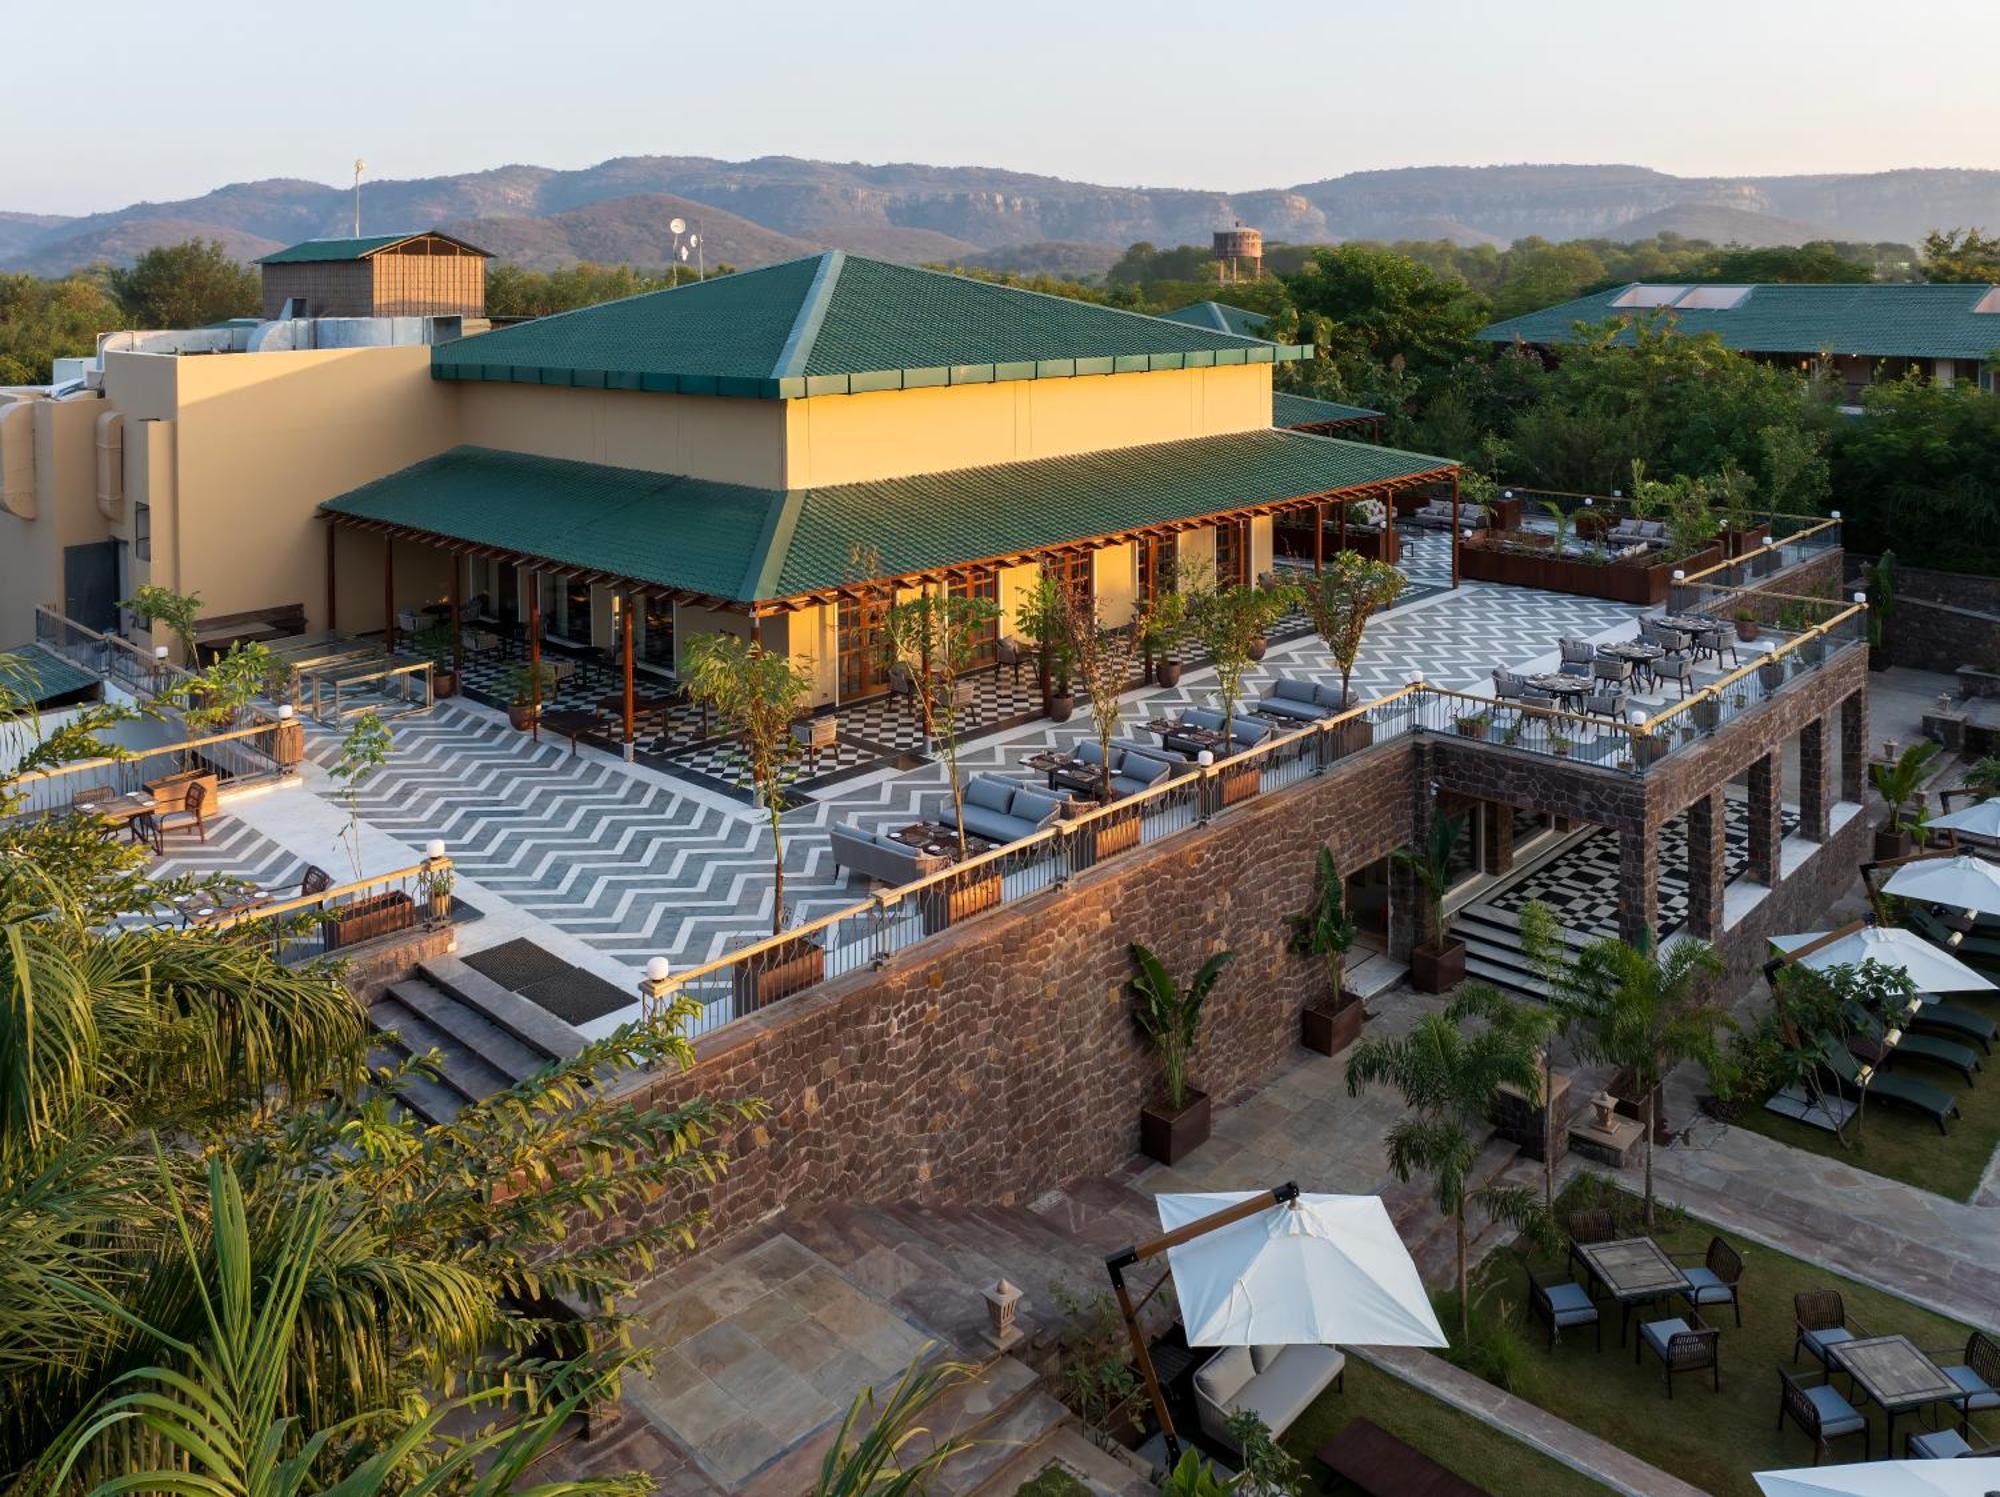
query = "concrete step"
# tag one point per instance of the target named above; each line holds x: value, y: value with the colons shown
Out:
x: 528, y: 1022
x: 1105, y: 1474
x: 463, y: 1072
x: 1001, y: 1457
x: 467, y: 1029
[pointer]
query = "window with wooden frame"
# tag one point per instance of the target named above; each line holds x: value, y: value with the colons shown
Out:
x: 982, y: 583
x: 1232, y: 553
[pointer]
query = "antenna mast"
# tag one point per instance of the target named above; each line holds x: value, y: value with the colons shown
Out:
x: 360, y: 166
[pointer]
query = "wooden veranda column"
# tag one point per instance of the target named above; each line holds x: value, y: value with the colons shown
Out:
x: 1319, y: 537
x: 457, y: 624
x: 389, y: 592
x: 535, y: 652
x: 627, y: 610
x: 1341, y: 506
x: 332, y: 597
x: 1454, y: 527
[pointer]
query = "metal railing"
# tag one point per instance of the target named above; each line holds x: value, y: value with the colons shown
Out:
x: 1793, y: 539
x: 1740, y: 691
x: 338, y: 693
x: 236, y: 758
x: 298, y: 927
x: 138, y: 671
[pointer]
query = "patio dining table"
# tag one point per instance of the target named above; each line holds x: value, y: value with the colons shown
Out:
x: 1560, y: 686
x: 1064, y: 771
x: 119, y: 809
x: 1633, y: 1271
x: 938, y: 841
x: 1894, y: 1372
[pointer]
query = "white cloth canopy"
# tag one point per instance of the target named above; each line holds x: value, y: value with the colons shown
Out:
x: 1980, y: 819
x: 1322, y: 1271
x: 1931, y: 969
x: 1968, y: 1477
x: 1963, y: 883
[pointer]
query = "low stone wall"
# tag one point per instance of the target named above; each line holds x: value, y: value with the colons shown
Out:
x: 373, y: 965
x: 1940, y: 620
x: 1000, y: 1060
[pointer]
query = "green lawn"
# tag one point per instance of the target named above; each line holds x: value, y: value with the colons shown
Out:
x: 1052, y: 1481
x: 1713, y: 1440
x: 1479, y: 1453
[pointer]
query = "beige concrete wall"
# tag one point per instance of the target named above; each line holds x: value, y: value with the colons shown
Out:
x: 57, y: 449
x: 1195, y: 560
x: 893, y: 433
x: 690, y: 621
x: 1013, y: 581
x: 1260, y: 546
x: 734, y: 441
x: 1115, y: 580
x: 262, y: 439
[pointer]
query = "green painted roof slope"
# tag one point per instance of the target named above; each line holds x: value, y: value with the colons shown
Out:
x: 1221, y: 317
x: 836, y: 324
x: 1303, y: 410
x: 1886, y: 321
x: 742, y: 544
x: 311, y: 251
x: 54, y: 677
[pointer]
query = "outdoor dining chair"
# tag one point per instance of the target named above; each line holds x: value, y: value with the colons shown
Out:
x: 1561, y: 1304
x: 1577, y: 655
x: 1714, y: 643
x: 192, y: 809
x: 1611, y: 668
x: 1717, y: 1279
x: 144, y: 830
x: 1821, y: 1320
x: 1610, y: 705
x: 1978, y: 1376
x: 1585, y: 1227
x: 1676, y: 668
x: 1822, y: 1413
x: 1682, y: 1345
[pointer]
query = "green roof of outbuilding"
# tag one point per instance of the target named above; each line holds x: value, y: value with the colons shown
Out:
x: 1882, y: 320
x: 1303, y: 410
x: 1221, y: 317
x: 312, y: 251
x: 54, y: 677
x: 740, y: 544
x: 836, y: 324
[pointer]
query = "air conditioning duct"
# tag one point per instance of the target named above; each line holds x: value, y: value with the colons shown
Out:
x: 17, y: 458
x: 111, y: 466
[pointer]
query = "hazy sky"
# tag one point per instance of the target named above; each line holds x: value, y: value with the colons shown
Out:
x: 118, y: 100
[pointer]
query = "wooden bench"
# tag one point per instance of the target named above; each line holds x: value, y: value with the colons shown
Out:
x: 1367, y: 1456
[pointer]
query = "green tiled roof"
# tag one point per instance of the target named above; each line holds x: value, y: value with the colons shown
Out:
x: 743, y: 545
x: 1303, y: 410
x: 1221, y: 317
x: 54, y: 677
x: 836, y: 324
x: 311, y: 251
x: 1885, y: 321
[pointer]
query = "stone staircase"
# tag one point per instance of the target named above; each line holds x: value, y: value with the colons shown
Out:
x: 1492, y: 938
x: 485, y: 1037
x: 1431, y: 1237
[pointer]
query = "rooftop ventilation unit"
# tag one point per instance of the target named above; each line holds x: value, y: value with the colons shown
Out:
x: 1712, y: 299
x: 1990, y: 302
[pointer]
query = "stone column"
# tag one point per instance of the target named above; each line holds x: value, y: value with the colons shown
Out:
x: 1766, y: 827
x: 1499, y: 838
x: 1854, y: 748
x: 1638, y: 887
x: 1815, y: 780
x: 1706, y: 876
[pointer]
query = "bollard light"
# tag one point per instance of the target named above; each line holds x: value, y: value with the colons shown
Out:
x: 1833, y: 514
x: 285, y: 712
x: 1204, y: 758
x: 434, y: 848
x: 657, y: 969
x: 1680, y: 574
x: 160, y: 653
x: 1416, y: 678
x: 657, y: 980
x: 1861, y: 597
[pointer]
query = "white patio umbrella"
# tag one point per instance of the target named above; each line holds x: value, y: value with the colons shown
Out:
x: 1933, y: 970
x: 1980, y: 819
x: 1320, y: 1270
x: 1960, y: 1478
x: 1962, y: 883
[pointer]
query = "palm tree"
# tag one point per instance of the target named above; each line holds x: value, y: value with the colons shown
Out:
x: 899, y: 1454
x: 1645, y: 1012
x: 1900, y: 783
x: 1543, y: 945
x: 1448, y: 1074
x: 210, y: 1420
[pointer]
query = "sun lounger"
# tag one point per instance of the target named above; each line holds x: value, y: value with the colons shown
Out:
x: 1977, y: 951
x: 1935, y: 1102
x: 1959, y: 1023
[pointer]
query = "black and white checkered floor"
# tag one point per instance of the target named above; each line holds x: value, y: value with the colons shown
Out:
x: 1581, y: 882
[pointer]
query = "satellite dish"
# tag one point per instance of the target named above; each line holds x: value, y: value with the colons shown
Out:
x: 694, y: 239
x: 683, y: 252
x: 360, y: 166
x: 676, y: 225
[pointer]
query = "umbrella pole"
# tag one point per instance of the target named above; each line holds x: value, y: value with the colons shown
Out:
x: 1117, y: 1263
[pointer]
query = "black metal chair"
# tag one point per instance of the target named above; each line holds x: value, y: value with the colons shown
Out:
x: 1561, y: 1305
x: 1821, y: 1319
x: 1682, y: 1345
x: 1822, y: 1413
x: 1717, y: 1280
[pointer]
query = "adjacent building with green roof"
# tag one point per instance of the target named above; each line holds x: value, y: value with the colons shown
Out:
x: 1948, y: 332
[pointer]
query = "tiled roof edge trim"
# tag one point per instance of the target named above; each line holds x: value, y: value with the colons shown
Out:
x: 812, y: 315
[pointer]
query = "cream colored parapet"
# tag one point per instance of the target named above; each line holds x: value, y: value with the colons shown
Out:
x: 17, y: 459
x: 111, y: 466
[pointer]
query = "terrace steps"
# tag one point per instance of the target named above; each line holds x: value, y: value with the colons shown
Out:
x: 1492, y: 938
x: 1430, y: 1236
x: 485, y: 1038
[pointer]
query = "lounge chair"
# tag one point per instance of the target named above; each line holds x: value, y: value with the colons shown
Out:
x: 1822, y: 1413
x: 1561, y: 1305
x: 1975, y: 950
x: 1960, y: 1023
x: 1682, y: 1345
x: 1934, y: 1102
x: 1717, y: 1279
x: 1960, y: 1058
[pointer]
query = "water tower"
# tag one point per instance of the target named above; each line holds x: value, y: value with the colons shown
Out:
x: 1232, y: 247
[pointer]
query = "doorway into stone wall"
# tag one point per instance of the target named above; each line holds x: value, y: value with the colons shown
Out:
x: 1368, y: 903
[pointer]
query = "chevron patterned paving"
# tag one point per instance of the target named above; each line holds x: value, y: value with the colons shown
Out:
x: 638, y: 865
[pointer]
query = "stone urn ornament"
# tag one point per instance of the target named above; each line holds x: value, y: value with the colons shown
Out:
x: 1605, y: 1106
x: 1001, y: 1300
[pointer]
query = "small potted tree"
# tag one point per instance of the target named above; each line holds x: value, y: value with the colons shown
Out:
x: 1472, y: 724
x: 1437, y: 963
x: 1332, y: 1021
x: 523, y: 700
x: 1170, y: 1016
x: 1038, y: 612
x: 1746, y: 625
x: 1161, y: 625
x: 435, y: 645
x: 1899, y: 784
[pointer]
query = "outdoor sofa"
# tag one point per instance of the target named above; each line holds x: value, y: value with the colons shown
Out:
x: 999, y: 809
x: 1134, y: 766
x: 1277, y: 1383
x: 1436, y: 515
x: 1243, y: 732
x: 879, y: 856
x: 1638, y: 532
x: 1299, y: 700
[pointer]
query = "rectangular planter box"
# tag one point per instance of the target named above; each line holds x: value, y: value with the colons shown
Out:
x: 1171, y: 1137
x: 946, y: 904
x: 1615, y: 581
x: 1351, y: 737
x: 1506, y: 514
x: 1328, y: 1030
x: 781, y: 972
x: 171, y: 790
x: 1437, y: 971
x: 1740, y: 542
x: 367, y: 918
x: 1238, y: 785
x: 1377, y: 545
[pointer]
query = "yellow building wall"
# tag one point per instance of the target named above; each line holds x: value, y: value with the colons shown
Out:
x: 703, y: 436
x: 690, y: 621
x: 1012, y: 582
x: 1260, y: 546
x: 1115, y: 580
x: 833, y: 439
x: 1195, y: 560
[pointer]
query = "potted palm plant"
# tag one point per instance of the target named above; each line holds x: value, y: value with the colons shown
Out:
x: 1170, y: 1016
x: 1436, y: 964
x: 523, y: 701
x: 1898, y: 783
x: 1162, y: 625
x: 1332, y: 1021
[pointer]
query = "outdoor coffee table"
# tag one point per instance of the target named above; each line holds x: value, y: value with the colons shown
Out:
x: 1201, y: 738
x: 1633, y: 1271
x: 1064, y: 771
x: 571, y: 722
x: 1893, y: 1372
x: 118, y: 809
x: 940, y: 841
